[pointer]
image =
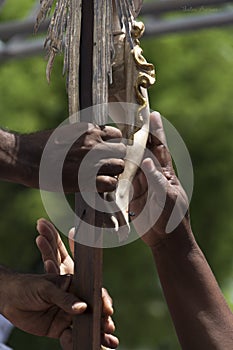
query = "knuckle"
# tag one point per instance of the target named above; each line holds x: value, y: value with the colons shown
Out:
x: 90, y: 143
x: 109, y: 183
x: 106, y: 184
x: 112, y: 132
x: 121, y: 163
x: 157, y: 114
x: 122, y: 149
x: 66, y: 299
x: 116, y: 133
x: 120, y: 166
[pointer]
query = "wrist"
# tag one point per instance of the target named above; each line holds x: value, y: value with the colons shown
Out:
x: 28, y: 161
x: 160, y: 232
x: 7, y: 146
x: 6, y: 276
x: 8, y: 154
x: 29, y: 149
x: 14, y: 164
x: 179, y: 242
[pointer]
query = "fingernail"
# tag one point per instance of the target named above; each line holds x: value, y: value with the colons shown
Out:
x: 41, y: 221
x: 79, y: 306
x: 111, y: 323
x: 111, y: 310
x: 109, y: 304
x: 38, y: 221
x: 148, y: 165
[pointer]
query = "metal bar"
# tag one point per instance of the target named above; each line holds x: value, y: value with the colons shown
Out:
x: 153, y: 28
x: 10, y: 29
x: 2, y: 2
x: 159, y: 7
x: 190, y: 23
x: 21, y: 49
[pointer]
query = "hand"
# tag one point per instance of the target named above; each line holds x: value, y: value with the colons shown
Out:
x: 54, y: 254
x: 57, y: 260
x: 38, y: 304
x: 158, y: 192
x: 106, y: 157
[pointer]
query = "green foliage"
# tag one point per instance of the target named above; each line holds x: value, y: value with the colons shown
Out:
x: 16, y: 9
x: 194, y: 92
x: 29, y: 103
x: 141, y: 315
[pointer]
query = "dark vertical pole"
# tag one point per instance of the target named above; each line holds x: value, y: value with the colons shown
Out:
x: 88, y: 260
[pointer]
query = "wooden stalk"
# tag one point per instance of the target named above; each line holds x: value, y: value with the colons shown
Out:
x: 88, y: 260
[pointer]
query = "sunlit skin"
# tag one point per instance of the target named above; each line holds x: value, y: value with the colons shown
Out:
x: 20, y: 156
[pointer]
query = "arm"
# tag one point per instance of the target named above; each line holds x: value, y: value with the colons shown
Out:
x: 20, y: 155
x: 200, y: 314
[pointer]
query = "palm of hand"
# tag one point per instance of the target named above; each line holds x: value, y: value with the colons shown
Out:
x: 160, y: 206
x: 159, y: 203
x: 54, y: 253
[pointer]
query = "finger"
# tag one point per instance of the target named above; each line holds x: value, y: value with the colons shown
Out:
x: 107, y: 303
x: 109, y: 133
x: 111, y: 167
x: 51, y: 267
x: 62, y: 320
x: 47, y: 254
x: 110, y: 341
x: 156, y: 181
x: 66, y: 301
x: 152, y: 172
x: 71, y: 235
x: 108, y: 325
x: 66, y: 339
x: 156, y: 129
x: 158, y: 143
x: 106, y: 183
x: 107, y: 150
x: 48, y: 230
x: 163, y: 156
x: 45, y: 227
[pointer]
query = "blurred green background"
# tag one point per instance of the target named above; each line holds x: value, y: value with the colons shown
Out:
x: 193, y: 91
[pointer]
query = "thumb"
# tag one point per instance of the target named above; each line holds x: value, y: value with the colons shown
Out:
x: 157, y: 182
x: 66, y: 339
x: 51, y: 267
x: 66, y: 301
x: 149, y: 168
x: 71, y: 237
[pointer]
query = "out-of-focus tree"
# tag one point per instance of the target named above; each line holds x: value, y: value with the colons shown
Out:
x: 194, y: 92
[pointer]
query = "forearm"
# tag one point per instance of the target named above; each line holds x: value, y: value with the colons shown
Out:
x: 9, y: 167
x: 200, y: 314
x: 20, y: 157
